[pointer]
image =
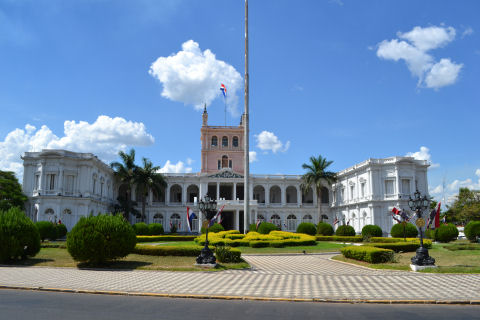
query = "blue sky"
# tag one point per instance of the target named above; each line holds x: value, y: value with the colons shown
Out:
x: 349, y: 80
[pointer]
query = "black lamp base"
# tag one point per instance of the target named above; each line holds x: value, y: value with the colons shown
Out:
x: 422, y: 258
x: 206, y: 256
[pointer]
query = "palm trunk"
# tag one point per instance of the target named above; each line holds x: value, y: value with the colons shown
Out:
x: 319, y: 194
x: 143, y: 206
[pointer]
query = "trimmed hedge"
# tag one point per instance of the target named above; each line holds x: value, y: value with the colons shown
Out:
x: 324, y: 229
x: 368, y: 254
x: 155, y: 229
x: 259, y: 244
x: 275, y: 239
x: 410, y: 230
x: 98, y: 239
x: 165, y: 238
x: 446, y: 233
x: 345, y: 230
x: 390, y: 240
x: 228, y: 255
x: 152, y: 250
x: 266, y: 228
x: 141, y: 229
x: 340, y: 238
x: 397, y: 246
x: 472, y: 230
x: 216, y: 227
x: 307, y: 228
x: 19, y: 238
x: 61, y: 230
x: 371, y: 230
x: 47, y: 230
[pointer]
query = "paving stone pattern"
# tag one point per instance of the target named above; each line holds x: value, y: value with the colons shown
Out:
x: 289, y: 276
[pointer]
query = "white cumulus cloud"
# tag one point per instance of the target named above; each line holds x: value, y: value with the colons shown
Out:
x: 423, y: 154
x: 252, y: 156
x: 193, y: 77
x: 267, y: 140
x: 104, y: 137
x: 413, y: 47
x: 178, y: 167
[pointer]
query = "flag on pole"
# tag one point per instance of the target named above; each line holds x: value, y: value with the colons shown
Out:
x: 335, y: 221
x: 396, y: 219
x: 224, y: 90
x: 214, y: 219
x: 258, y: 223
x: 348, y: 222
x: 396, y: 211
x: 437, y: 216
x: 190, y: 216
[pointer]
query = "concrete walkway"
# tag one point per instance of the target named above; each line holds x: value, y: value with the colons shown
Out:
x: 291, y: 277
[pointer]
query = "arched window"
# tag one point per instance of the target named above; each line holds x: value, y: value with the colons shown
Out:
x: 224, y: 161
x: 49, y: 211
x: 324, y: 195
x: 67, y: 211
x: 275, y: 219
x: 307, y: 197
x: 291, y: 194
x: 225, y: 141
x: 158, y: 218
x: 275, y: 194
x: 176, y: 221
x: 291, y: 222
x: 214, y: 141
x: 235, y: 142
x: 259, y: 194
x: 176, y: 193
x: 307, y: 218
x: 192, y: 193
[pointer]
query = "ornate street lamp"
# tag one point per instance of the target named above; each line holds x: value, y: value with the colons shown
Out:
x: 420, y: 204
x: 208, y: 207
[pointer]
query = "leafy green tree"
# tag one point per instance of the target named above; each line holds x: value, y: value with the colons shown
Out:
x: 125, y: 174
x: 147, y: 178
x: 316, y: 176
x: 433, y: 204
x: 11, y: 194
x: 466, y: 207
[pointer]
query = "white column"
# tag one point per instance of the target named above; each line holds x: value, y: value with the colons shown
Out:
x: 237, y: 217
x: 60, y: 180
x: 314, y: 191
x: 283, y: 195
x: 267, y: 194
x: 184, y: 193
x: 299, y: 196
x: 218, y: 190
x: 150, y: 197
x: 234, y: 191
x: 167, y: 195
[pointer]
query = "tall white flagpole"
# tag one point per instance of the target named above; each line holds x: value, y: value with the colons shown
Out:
x: 246, y: 205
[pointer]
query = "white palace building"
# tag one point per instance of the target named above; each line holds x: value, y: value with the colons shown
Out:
x: 64, y: 185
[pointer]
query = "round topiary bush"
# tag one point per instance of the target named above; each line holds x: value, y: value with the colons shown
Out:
x: 141, y: 229
x: 371, y: 230
x: 345, y: 231
x: 307, y: 227
x: 446, y: 233
x: 252, y: 227
x: 410, y: 231
x: 46, y: 230
x: 324, y: 229
x: 472, y: 230
x: 155, y: 229
x: 430, y: 234
x: 61, y: 230
x: 216, y: 227
x: 266, y: 227
x: 98, y: 239
x: 19, y: 238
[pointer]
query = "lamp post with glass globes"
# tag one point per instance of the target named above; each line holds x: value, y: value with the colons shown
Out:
x: 208, y: 207
x: 420, y: 204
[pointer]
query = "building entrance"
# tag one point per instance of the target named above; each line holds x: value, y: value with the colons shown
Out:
x: 228, y: 220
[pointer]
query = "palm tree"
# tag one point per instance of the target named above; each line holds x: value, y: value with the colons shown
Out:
x: 148, y: 179
x: 317, y: 174
x: 125, y: 175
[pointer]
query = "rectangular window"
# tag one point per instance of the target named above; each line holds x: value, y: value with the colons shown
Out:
x: 101, y: 189
x: 37, y: 182
x: 69, y: 184
x: 406, y: 186
x: 94, y: 185
x: 362, y: 189
x: 50, y: 182
x: 389, y: 187
x: 230, y: 164
x: 352, y: 192
x: 219, y: 165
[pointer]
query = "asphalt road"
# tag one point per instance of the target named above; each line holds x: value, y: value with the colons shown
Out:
x: 23, y: 304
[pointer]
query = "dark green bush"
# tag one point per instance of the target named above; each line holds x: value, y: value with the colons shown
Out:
x: 472, y: 230
x: 141, y: 229
x: 266, y: 228
x: 397, y: 246
x: 252, y: 227
x: 19, y: 238
x: 410, y: 231
x: 61, y: 230
x: 307, y: 227
x: 345, y: 231
x: 430, y: 234
x: 98, y: 239
x: 368, y: 254
x: 324, y: 229
x: 155, y: 229
x: 340, y: 238
x: 259, y: 244
x: 227, y: 255
x: 46, y: 229
x: 446, y: 233
x: 152, y: 250
x: 165, y: 238
x: 371, y: 230
x: 216, y: 227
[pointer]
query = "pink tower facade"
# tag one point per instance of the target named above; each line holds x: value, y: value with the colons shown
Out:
x: 222, y: 147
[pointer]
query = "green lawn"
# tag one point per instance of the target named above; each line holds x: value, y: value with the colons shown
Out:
x: 322, y: 246
x: 457, y: 261
x: 56, y: 257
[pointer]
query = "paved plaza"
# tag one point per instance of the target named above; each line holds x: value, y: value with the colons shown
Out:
x: 312, y: 277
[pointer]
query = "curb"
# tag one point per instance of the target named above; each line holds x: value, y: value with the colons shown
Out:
x: 244, y: 298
